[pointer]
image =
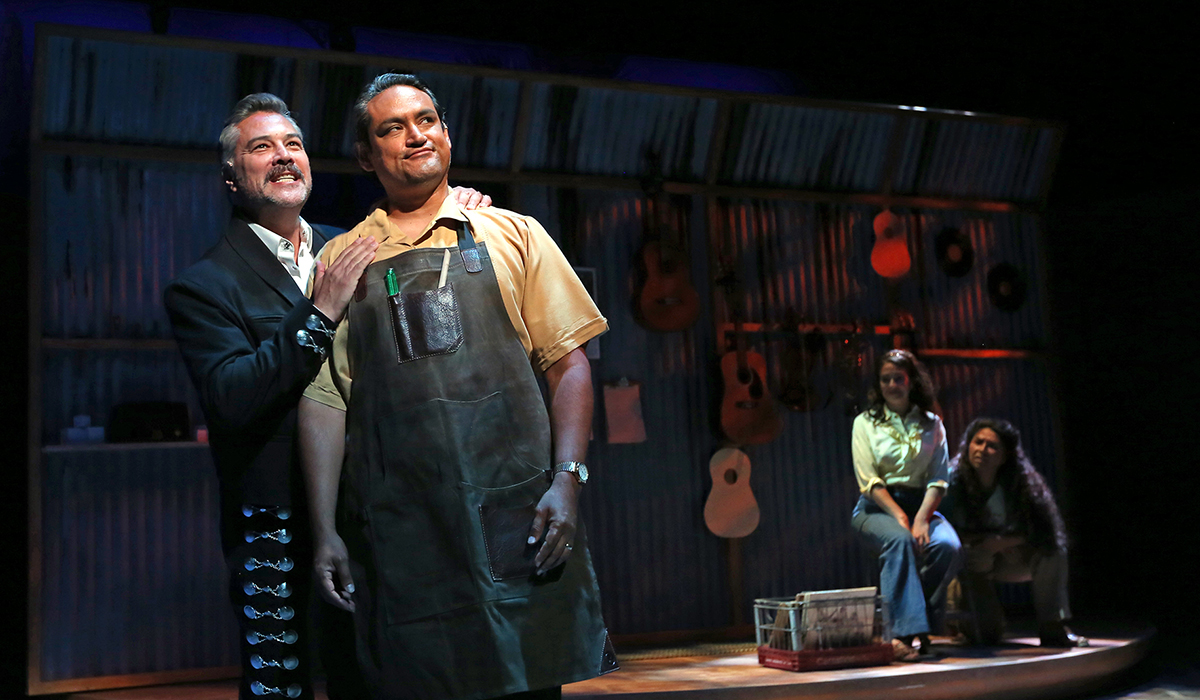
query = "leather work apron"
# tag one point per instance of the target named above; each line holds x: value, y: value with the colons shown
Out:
x: 446, y: 422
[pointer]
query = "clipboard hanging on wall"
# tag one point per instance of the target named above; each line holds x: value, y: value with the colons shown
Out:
x: 623, y: 412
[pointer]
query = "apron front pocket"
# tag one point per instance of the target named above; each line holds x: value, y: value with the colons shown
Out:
x: 425, y: 323
x: 505, y: 538
x: 505, y: 518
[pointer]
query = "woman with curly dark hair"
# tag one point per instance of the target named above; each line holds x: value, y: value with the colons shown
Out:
x: 1007, y: 517
x: 900, y: 461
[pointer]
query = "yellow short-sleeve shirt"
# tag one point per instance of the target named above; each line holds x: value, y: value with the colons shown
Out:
x: 549, y: 307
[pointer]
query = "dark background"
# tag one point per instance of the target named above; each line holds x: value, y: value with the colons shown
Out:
x: 1120, y: 233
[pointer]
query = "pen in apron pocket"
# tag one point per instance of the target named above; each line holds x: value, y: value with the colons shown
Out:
x: 390, y: 280
x: 445, y: 269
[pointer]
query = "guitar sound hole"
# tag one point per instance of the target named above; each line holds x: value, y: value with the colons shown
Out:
x: 730, y: 476
x: 754, y: 385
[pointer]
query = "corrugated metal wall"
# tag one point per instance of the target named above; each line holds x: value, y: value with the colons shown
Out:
x: 133, y: 576
x: 135, y: 93
x: 975, y: 159
x: 601, y: 131
x: 807, y: 147
x: 119, y: 230
x: 132, y: 224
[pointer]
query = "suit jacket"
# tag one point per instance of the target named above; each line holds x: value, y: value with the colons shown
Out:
x: 236, y: 314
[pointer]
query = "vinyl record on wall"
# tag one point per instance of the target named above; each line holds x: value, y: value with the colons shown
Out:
x: 954, y: 252
x: 1006, y: 287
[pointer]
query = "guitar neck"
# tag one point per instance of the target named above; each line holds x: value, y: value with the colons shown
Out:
x: 669, y: 239
x: 739, y: 339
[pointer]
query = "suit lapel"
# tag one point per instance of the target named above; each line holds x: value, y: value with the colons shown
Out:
x: 250, y: 247
x: 321, y: 236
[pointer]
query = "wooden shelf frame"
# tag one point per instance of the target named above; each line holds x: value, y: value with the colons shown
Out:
x: 778, y: 331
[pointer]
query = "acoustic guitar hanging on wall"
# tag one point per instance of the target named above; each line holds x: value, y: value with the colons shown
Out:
x: 749, y: 415
x: 731, y: 510
x: 665, y: 299
x: 889, y: 256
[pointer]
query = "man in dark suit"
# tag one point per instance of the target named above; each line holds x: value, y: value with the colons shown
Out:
x: 252, y: 342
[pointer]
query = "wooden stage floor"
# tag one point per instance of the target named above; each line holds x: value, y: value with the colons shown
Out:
x: 1017, y: 669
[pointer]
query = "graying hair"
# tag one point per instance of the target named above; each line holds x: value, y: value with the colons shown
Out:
x: 362, y: 120
x: 248, y: 105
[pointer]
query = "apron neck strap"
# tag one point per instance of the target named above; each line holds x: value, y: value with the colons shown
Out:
x: 466, y: 248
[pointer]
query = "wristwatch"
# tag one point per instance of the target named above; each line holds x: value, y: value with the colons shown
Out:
x: 577, y: 469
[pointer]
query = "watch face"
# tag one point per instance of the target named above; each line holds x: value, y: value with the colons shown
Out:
x: 582, y: 472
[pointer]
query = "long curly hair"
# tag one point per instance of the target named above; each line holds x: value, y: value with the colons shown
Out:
x: 1036, y: 514
x: 920, y: 391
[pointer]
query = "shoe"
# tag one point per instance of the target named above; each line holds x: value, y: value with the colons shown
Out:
x: 926, y: 648
x: 903, y: 651
x: 1058, y: 635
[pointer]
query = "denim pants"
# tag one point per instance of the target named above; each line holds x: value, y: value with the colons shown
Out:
x: 913, y: 583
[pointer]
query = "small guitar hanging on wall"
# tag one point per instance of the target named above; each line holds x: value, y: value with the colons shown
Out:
x: 665, y: 300
x: 890, y: 257
x: 731, y: 510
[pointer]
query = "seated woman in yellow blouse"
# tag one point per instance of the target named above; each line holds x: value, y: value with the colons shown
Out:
x: 900, y: 460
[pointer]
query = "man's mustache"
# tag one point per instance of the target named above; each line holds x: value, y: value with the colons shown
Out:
x: 285, y: 169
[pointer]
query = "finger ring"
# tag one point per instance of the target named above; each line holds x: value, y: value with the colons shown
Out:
x: 569, y: 547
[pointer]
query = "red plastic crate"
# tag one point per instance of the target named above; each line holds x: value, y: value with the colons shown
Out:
x: 824, y: 659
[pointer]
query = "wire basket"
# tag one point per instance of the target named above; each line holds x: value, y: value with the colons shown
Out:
x: 823, y: 629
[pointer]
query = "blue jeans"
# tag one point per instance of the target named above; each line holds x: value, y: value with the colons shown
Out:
x: 913, y: 584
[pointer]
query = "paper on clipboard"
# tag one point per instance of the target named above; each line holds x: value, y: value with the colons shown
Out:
x: 623, y: 412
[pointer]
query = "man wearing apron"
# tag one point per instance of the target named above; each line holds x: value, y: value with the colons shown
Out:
x: 443, y: 493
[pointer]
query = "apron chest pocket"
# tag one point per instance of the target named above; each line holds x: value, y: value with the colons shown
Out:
x: 425, y: 323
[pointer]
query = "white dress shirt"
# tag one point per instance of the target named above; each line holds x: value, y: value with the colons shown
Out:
x: 298, y: 267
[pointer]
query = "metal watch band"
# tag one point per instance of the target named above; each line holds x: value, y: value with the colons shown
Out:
x: 576, y: 469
